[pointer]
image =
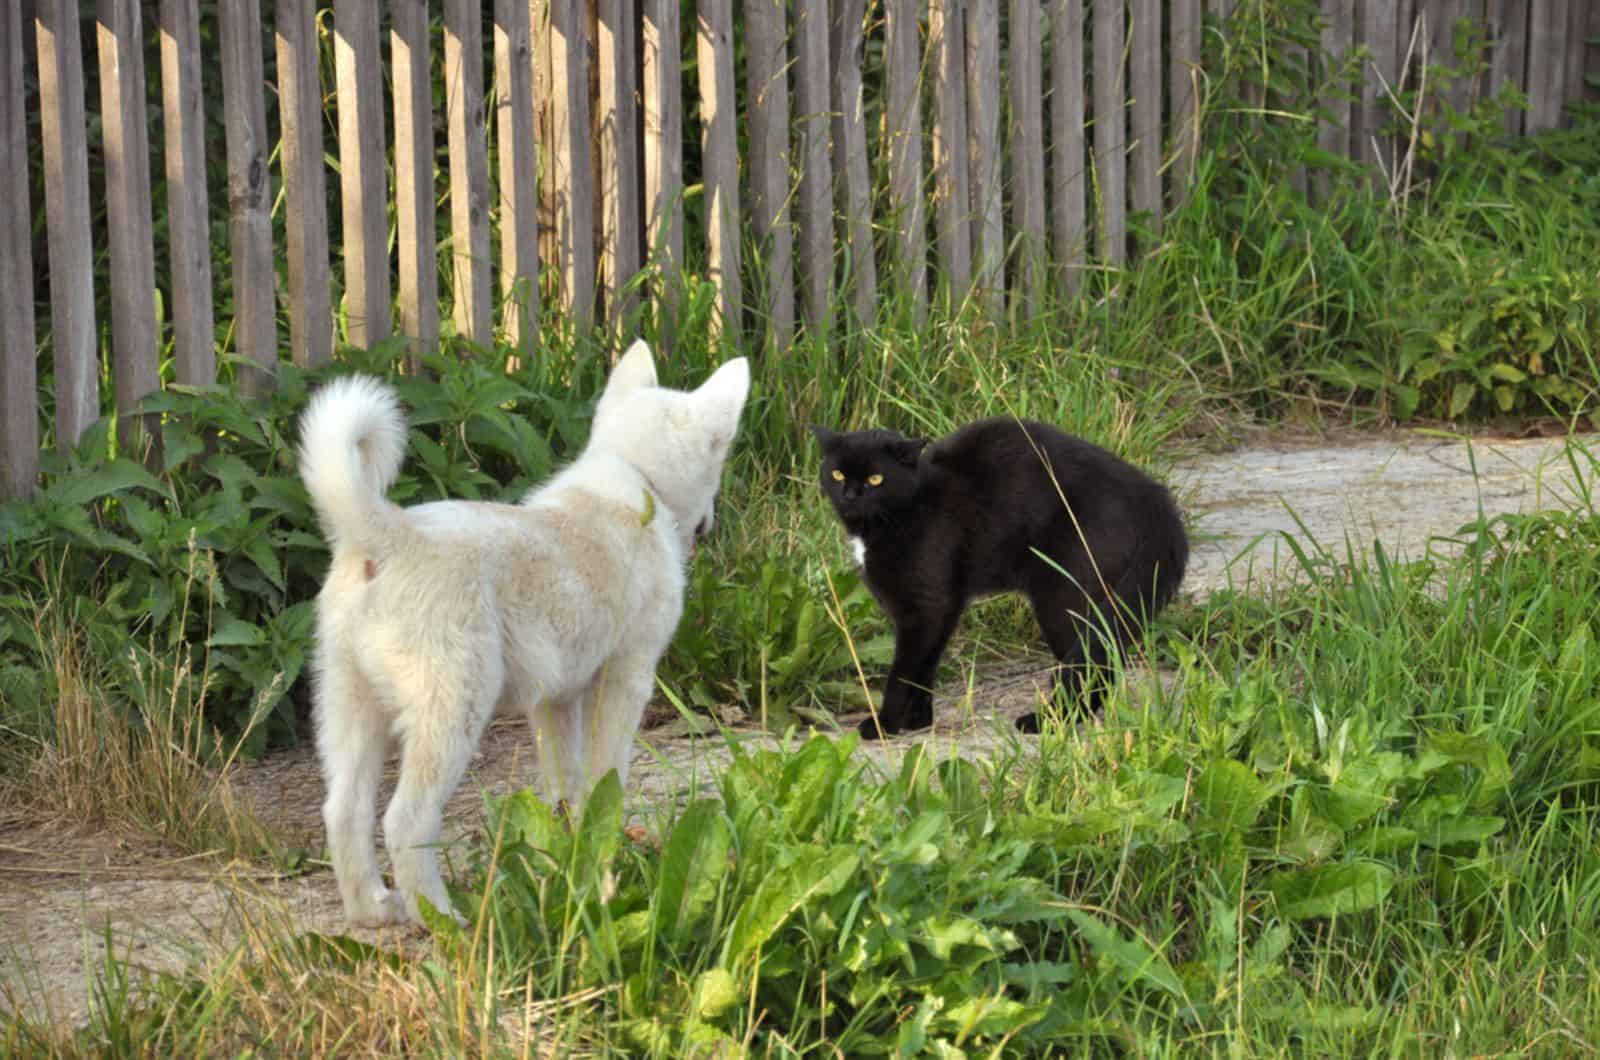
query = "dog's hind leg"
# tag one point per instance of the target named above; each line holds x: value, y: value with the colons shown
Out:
x: 615, y: 704
x: 558, y: 733
x: 437, y: 744
x: 352, y: 738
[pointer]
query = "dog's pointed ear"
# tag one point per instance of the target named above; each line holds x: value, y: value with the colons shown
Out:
x: 729, y: 384
x: 907, y: 451
x: 723, y: 397
x: 825, y: 437
x: 635, y: 369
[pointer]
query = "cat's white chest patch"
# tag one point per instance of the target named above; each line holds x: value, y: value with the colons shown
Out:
x: 858, y: 547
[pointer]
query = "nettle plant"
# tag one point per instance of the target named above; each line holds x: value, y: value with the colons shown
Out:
x: 201, y: 570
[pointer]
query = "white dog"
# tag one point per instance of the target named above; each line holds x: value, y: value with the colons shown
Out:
x: 434, y: 617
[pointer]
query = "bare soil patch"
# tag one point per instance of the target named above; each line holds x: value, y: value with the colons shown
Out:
x: 65, y: 893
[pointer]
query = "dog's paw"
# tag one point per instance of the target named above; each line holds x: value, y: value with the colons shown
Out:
x: 1029, y: 723
x: 382, y: 908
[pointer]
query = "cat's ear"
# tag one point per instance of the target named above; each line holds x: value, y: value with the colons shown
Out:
x: 907, y: 451
x: 824, y: 436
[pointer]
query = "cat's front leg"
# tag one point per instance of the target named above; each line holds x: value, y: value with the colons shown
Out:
x: 908, y: 694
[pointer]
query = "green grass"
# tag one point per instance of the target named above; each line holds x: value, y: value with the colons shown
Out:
x: 1359, y: 822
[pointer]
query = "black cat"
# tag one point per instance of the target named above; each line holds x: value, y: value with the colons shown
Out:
x: 1002, y: 505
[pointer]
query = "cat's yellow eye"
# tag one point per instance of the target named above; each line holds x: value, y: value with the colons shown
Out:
x: 838, y: 476
x: 874, y: 480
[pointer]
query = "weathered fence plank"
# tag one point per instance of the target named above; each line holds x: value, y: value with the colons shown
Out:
x: 1110, y: 130
x: 1379, y: 19
x: 952, y: 192
x: 416, y: 229
x: 720, y: 153
x: 983, y: 152
x: 1026, y: 150
x: 1333, y: 131
x: 1183, y: 44
x: 1144, y: 73
x: 66, y: 201
x: 304, y: 184
x: 19, y: 421
x: 519, y: 172
x: 571, y: 141
x: 130, y: 231
x: 249, y: 196
x: 618, y: 123
x: 854, y: 179
x: 814, y: 195
x: 194, y: 353
x: 1443, y: 16
x: 472, y: 309
x: 1068, y: 173
x: 1579, y: 17
x: 663, y: 150
x: 367, y: 289
x: 1508, y: 36
x: 902, y: 129
x: 1547, y: 77
x: 767, y: 110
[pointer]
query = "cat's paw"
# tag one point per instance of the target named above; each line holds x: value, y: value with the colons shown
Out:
x: 882, y: 727
x: 1029, y: 723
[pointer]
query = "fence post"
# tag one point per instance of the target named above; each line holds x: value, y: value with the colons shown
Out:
x: 620, y: 191
x: 1144, y: 72
x: 903, y: 130
x: 66, y: 201
x: 469, y: 170
x: 130, y: 231
x: 416, y: 226
x: 249, y: 220
x: 1183, y: 40
x: 19, y: 418
x: 1067, y: 180
x: 854, y: 181
x: 194, y: 340
x: 813, y: 96
x: 571, y: 176
x: 952, y: 191
x: 1110, y: 130
x: 663, y: 155
x: 361, y: 173
x: 519, y: 172
x: 767, y: 110
x: 720, y: 151
x: 1025, y: 50
x: 983, y: 161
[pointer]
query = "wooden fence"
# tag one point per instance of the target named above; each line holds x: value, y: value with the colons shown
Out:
x: 1008, y: 141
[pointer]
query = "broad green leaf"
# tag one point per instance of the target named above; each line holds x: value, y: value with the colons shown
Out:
x: 1134, y: 960
x: 114, y: 476
x: 715, y: 992
x: 988, y: 1016
x: 1331, y: 890
x: 813, y: 874
x: 1228, y: 795
x: 693, y: 863
x: 1507, y: 373
x: 234, y: 632
x: 1461, y: 397
x: 600, y: 832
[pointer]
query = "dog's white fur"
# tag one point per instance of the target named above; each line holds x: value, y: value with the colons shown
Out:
x: 434, y: 617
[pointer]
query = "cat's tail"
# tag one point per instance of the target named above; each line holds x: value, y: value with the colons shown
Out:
x: 352, y: 439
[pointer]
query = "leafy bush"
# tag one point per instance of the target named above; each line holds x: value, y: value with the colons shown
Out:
x: 208, y: 566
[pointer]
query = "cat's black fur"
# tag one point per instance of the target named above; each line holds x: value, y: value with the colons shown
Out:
x: 970, y: 514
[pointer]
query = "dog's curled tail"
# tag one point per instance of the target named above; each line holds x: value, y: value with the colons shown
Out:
x: 352, y: 439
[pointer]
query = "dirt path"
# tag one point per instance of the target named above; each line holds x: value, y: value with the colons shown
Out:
x: 59, y: 893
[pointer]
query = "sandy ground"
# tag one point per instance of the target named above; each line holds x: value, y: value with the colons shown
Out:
x: 64, y: 895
